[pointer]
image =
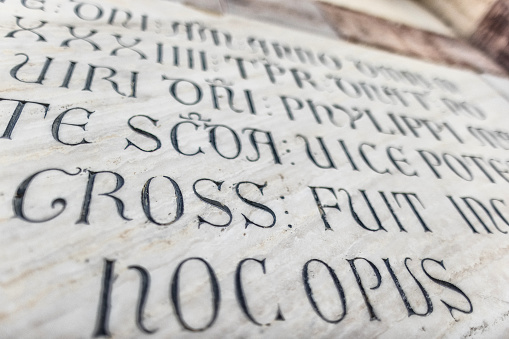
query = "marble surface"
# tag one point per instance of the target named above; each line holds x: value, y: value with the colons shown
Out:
x: 501, y: 84
x: 294, y: 14
x: 162, y: 179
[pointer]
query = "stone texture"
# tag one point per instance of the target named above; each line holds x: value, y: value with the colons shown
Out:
x: 501, y: 84
x: 296, y: 14
x: 150, y: 188
x: 211, y: 6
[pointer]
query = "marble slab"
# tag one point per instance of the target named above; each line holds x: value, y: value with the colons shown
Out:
x: 168, y: 172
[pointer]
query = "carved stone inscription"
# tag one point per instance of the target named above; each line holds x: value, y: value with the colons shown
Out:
x: 167, y: 172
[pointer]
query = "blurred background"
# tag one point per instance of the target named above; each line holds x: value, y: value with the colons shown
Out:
x: 471, y: 34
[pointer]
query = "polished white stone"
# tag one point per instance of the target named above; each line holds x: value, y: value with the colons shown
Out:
x: 51, y: 273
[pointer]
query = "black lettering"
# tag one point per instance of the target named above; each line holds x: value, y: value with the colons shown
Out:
x: 356, y: 216
x: 348, y: 156
x: 469, y: 201
x: 42, y: 75
x: 41, y: 4
x: 396, y: 162
x: 113, y: 16
x: 326, y: 155
x: 174, y: 93
x: 213, y: 140
x: 412, y: 206
x: 466, y: 175
x: 175, y: 296
x: 425, y: 294
x: 476, y: 161
x: 501, y: 172
x: 425, y: 155
x: 144, y: 133
x: 255, y: 204
x: 372, y: 314
x: 118, y: 37
x: 302, y: 76
x: 79, y: 11
x: 19, y: 198
x: 270, y: 69
x: 463, y: 107
x: 391, y: 209
x: 241, y: 296
x: 175, y: 140
x: 57, y: 123
x: 254, y: 143
x: 351, y: 89
x: 321, y: 207
x: 142, y: 299
x: 40, y: 37
x: 16, y: 115
x: 309, y: 291
x: 288, y: 108
x: 367, y: 161
x: 68, y: 74
x: 495, y: 208
x: 103, y: 313
x: 87, y: 200
x: 85, y: 38
x: 449, y: 286
x: 179, y: 200
x: 215, y: 203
